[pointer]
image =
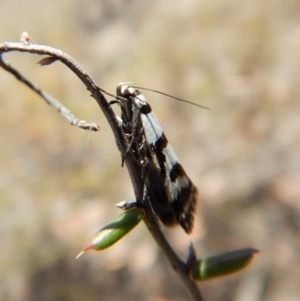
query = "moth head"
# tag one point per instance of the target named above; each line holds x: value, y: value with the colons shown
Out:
x: 125, y: 90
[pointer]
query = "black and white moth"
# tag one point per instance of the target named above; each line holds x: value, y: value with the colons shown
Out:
x: 172, y: 194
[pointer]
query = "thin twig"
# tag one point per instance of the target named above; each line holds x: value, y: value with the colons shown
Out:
x: 134, y: 170
x: 176, y: 263
x: 67, y: 114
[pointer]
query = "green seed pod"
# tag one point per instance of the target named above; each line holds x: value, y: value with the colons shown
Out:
x: 114, y: 231
x: 222, y: 264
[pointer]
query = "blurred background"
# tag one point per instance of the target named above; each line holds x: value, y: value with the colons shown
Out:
x: 59, y: 184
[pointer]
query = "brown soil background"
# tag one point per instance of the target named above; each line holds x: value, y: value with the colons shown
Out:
x: 58, y: 184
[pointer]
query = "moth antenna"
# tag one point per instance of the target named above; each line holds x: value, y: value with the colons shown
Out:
x: 114, y: 96
x: 110, y: 94
x: 107, y: 93
x: 180, y: 99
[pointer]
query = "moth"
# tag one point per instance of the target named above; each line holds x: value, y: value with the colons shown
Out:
x: 172, y: 194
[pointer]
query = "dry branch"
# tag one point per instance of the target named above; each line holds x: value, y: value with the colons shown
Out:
x: 134, y: 170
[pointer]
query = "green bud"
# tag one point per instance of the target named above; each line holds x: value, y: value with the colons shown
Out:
x: 222, y: 264
x: 114, y: 231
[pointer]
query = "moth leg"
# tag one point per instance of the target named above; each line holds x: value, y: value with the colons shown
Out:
x: 126, y: 205
x: 144, y: 160
x: 112, y: 102
x: 133, y: 127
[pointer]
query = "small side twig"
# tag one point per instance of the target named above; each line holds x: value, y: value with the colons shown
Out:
x: 134, y: 170
x: 67, y: 114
